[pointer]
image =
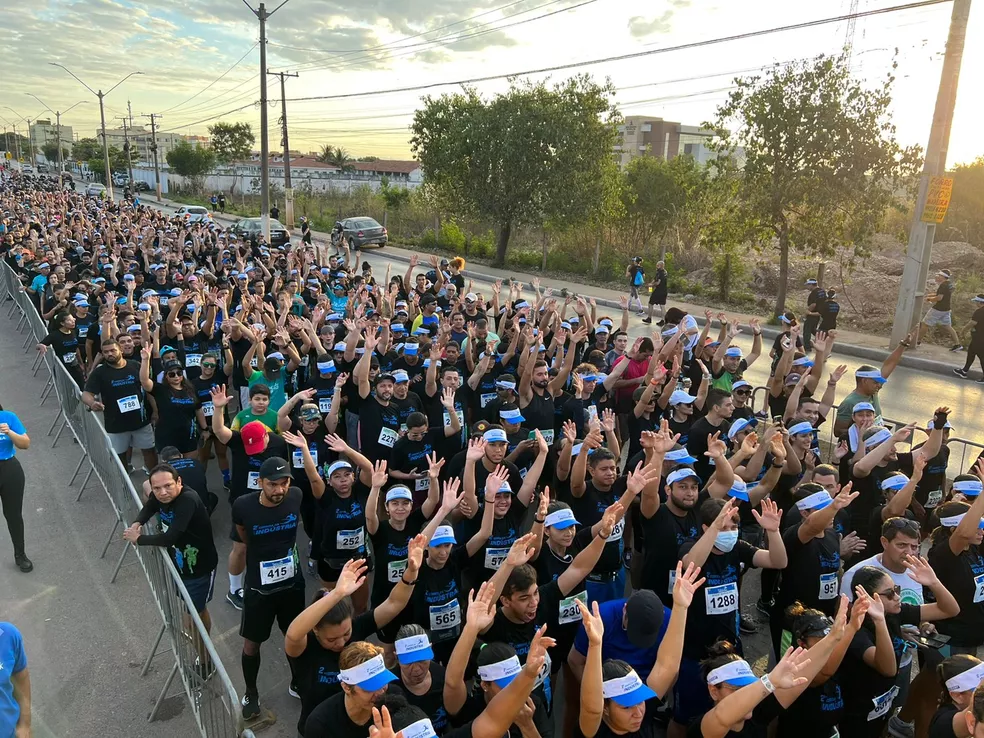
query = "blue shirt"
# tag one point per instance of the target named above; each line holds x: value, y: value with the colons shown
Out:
x: 7, y: 449
x: 13, y: 660
x: 615, y: 643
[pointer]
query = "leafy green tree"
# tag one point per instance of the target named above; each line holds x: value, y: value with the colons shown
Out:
x: 193, y: 162
x: 97, y: 164
x: 532, y: 155
x: 231, y: 141
x: 50, y: 151
x: 654, y: 194
x: 87, y: 148
x: 965, y: 217
x: 368, y: 158
x: 336, y: 156
x: 821, y: 164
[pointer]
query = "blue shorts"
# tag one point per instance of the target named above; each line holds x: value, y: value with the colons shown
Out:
x: 690, y: 695
x: 607, y: 590
x: 200, y: 590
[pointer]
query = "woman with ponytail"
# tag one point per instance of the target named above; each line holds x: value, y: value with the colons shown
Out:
x: 959, y: 676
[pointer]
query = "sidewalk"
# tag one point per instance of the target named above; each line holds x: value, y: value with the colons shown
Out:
x: 874, y: 349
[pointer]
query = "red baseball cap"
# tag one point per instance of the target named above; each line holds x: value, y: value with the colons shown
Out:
x: 254, y: 437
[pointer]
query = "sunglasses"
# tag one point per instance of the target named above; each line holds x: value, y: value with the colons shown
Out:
x: 904, y: 524
x: 742, y: 392
x: 892, y: 594
x: 208, y: 365
x: 172, y: 375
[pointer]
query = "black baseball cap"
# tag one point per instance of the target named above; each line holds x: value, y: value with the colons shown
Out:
x: 275, y: 469
x: 644, y: 618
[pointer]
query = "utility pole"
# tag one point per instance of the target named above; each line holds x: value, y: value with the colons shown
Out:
x: 288, y: 189
x: 154, y: 117
x: 17, y: 151
x: 30, y: 143
x: 262, y: 16
x: 61, y: 183
x: 129, y: 112
x: 912, y: 290
x: 126, y: 148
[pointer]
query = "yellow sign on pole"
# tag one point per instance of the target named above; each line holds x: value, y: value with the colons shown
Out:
x: 937, y: 199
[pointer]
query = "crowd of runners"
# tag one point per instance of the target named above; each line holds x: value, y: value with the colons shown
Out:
x: 475, y: 510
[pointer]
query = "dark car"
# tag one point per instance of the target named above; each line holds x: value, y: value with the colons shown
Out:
x: 248, y: 228
x: 362, y: 231
x: 141, y: 186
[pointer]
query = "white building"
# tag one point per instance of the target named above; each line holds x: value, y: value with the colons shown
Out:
x: 45, y: 131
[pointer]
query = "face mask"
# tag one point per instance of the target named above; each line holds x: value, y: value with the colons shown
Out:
x: 726, y: 540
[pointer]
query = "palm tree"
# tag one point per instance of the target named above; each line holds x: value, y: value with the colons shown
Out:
x: 336, y: 156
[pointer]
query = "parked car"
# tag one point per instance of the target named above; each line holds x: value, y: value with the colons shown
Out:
x: 141, y: 186
x: 27, y: 169
x: 94, y: 189
x: 121, y: 179
x: 248, y: 228
x: 194, y: 214
x: 360, y: 231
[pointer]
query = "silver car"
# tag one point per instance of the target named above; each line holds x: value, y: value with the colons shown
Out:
x: 94, y: 189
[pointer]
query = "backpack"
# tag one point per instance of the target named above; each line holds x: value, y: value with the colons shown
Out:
x: 638, y: 279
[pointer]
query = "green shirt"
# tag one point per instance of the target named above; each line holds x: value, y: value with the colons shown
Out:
x: 269, y: 419
x: 278, y: 395
x: 846, y: 407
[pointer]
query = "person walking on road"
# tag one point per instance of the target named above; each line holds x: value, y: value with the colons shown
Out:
x: 637, y: 278
x: 814, y: 312
x: 13, y: 437
x: 939, y: 313
x: 660, y: 288
x: 975, y: 348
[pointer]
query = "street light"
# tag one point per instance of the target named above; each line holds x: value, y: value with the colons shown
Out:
x: 102, y: 118
x: 30, y: 145
x: 57, y: 131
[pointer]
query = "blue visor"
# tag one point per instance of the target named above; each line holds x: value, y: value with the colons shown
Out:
x: 627, y: 691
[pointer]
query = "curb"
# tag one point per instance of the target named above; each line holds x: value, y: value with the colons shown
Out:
x: 868, y: 353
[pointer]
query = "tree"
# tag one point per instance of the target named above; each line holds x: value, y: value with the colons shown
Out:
x: 368, y: 158
x: 97, y: 163
x: 231, y: 141
x: 193, y: 162
x: 336, y: 156
x: 821, y: 162
x: 965, y: 217
x: 654, y: 193
x: 532, y: 155
x: 87, y: 148
x: 50, y: 151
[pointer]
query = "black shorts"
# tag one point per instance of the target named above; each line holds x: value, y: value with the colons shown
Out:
x: 234, y: 534
x: 201, y: 589
x: 261, y: 610
x: 330, y: 573
x: 657, y: 298
x: 184, y: 444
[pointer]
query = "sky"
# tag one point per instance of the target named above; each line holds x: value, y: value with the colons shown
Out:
x: 200, y: 59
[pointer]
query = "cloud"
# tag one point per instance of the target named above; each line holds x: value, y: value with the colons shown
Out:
x: 641, y: 27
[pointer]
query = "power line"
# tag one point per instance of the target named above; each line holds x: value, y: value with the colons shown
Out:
x: 206, y: 120
x: 634, y: 55
x: 240, y: 61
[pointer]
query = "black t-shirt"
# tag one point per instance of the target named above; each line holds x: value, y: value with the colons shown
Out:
x: 67, y: 348
x: 246, y: 468
x: 456, y: 470
x: 438, y: 602
x: 272, y: 563
x: 929, y: 490
x: 763, y: 714
x: 817, y: 297
x: 475, y: 706
x: 589, y: 508
x: 240, y: 347
x: 716, y: 607
x: 389, y: 547
x: 316, y: 670
x: 431, y: 701
x: 811, y: 574
x: 941, y: 725
x: 636, y: 427
x: 343, y: 527
x: 186, y: 532
x: 814, y: 713
x: 963, y: 576
x: 122, y: 395
x: 331, y: 720
x: 944, y: 291
x: 978, y: 318
x: 192, y: 475
x: 176, y: 414
x: 666, y: 533
x: 697, y: 445
x: 505, y: 530
x: 379, y: 429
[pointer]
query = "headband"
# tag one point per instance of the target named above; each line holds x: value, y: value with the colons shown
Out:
x: 734, y: 672
x: 967, y: 680
x: 816, y: 501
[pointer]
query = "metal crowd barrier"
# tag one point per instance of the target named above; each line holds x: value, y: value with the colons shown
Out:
x: 206, y: 684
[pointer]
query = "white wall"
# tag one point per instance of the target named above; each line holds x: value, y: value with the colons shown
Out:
x: 234, y: 185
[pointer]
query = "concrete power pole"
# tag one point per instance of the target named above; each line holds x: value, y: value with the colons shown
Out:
x: 154, y: 117
x: 912, y: 290
x: 61, y: 182
x: 288, y: 189
x: 262, y: 16
x: 127, y: 148
x: 30, y: 143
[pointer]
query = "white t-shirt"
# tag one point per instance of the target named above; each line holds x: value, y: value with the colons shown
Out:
x: 912, y: 591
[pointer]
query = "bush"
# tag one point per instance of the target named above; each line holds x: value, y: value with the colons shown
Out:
x: 451, y: 238
x: 529, y: 260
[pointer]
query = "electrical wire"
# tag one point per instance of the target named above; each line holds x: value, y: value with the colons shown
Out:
x: 209, y: 85
x: 634, y: 55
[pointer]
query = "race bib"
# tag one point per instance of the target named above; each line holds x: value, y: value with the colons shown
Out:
x: 569, y: 611
x: 388, y: 436
x: 253, y: 480
x: 447, y: 418
x: 274, y: 572
x: 422, y: 485
x: 446, y: 616
x: 395, y: 569
x: 487, y: 398
x: 722, y: 599
x: 672, y: 581
x: 305, y: 360
x: 494, y: 557
x: 348, y: 540
x: 828, y: 586
x: 208, y: 409
x: 299, y: 459
x: 193, y: 360
x: 617, y: 531
x: 128, y: 404
x: 548, y: 436
x: 979, y: 588
x: 254, y: 362
x: 883, y: 703
x: 70, y: 358
x: 324, y: 405
x: 933, y: 498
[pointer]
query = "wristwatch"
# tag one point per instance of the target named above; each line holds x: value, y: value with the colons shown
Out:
x: 767, y: 683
